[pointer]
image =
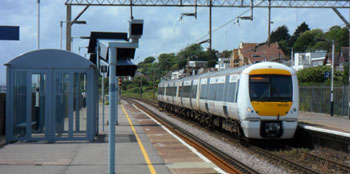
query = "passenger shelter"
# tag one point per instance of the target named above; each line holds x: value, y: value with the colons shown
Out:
x: 52, y: 96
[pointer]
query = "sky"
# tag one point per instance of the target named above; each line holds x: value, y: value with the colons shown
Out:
x: 164, y: 31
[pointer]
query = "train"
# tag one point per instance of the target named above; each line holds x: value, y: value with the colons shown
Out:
x: 258, y: 101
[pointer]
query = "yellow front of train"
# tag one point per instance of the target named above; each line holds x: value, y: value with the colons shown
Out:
x: 269, y: 101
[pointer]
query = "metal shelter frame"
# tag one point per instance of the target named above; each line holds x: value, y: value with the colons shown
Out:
x: 52, y: 96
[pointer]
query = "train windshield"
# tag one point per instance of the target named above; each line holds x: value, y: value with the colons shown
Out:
x: 270, y: 88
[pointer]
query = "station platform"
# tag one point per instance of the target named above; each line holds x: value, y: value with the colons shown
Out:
x: 142, y: 146
x: 339, y: 125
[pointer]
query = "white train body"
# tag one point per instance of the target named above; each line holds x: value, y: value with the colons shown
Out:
x: 259, y: 101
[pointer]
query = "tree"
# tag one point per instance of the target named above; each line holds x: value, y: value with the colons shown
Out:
x: 166, y: 60
x: 301, y: 29
x: 149, y: 59
x: 339, y: 35
x: 189, y: 53
x: 226, y: 54
x: 281, y: 33
x: 307, y: 40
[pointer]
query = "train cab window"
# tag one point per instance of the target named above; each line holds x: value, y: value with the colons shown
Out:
x: 270, y: 88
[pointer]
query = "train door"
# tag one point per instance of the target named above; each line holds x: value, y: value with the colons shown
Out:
x: 194, y: 94
x: 231, y: 92
x: 203, y: 104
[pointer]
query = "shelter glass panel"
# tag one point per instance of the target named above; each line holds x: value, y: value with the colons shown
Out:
x: 38, y: 97
x: 79, y: 102
x: 19, y: 104
x: 62, y: 104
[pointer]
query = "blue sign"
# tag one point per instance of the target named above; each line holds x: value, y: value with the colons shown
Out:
x: 9, y: 32
x: 327, y: 74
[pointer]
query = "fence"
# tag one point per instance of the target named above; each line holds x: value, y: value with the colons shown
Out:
x: 317, y: 99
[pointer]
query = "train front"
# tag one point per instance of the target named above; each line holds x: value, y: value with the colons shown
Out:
x: 270, y: 101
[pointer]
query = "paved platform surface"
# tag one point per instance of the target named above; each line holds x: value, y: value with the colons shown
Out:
x: 338, y: 123
x: 143, y: 147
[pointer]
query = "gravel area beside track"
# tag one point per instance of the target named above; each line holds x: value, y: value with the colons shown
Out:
x: 237, y: 153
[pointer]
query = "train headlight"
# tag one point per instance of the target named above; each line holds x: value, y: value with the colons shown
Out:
x: 294, y: 109
x: 250, y: 109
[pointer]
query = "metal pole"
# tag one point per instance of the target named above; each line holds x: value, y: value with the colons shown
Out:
x: 61, y: 25
x: 153, y: 83
x: 112, y: 110
x: 117, y: 99
x: 291, y: 58
x: 332, y: 104
x: 68, y: 27
x: 103, y: 102
x: 269, y: 23
x: 38, y: 36
x: 349, y: 71
x: 210, y: 36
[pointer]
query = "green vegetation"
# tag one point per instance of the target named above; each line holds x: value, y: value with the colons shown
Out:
x: 153, y: 69
x: 305, y: 39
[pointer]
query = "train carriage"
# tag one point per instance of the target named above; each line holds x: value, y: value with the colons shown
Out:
x: 257, y: 101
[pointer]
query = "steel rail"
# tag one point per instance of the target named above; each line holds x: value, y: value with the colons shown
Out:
x: 266, y: 154
x: 218, y: 157
x: 343, y: 168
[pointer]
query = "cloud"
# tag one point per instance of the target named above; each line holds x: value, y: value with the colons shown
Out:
x: 163, y: 32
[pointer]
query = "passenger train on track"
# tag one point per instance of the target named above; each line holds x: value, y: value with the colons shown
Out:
x: 259, y: 101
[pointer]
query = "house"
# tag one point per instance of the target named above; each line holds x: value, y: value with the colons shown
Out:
x: 223, y: 63
x: 309, y: 59
x: 343, y: 58
x: 250, y: 53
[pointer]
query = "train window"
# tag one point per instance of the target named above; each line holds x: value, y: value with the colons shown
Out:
x: 211, y: 93
x: 193, y: 91
x: 180, y: 91
x: 161, y: 90
x: 270, y: 88
x: 237, y: 91
x: 203, y: 94
x: 230, y: 92
x: 186, y: 91
x: 219, y: 92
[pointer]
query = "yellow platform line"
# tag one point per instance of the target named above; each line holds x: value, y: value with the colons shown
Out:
x: 145, y: 155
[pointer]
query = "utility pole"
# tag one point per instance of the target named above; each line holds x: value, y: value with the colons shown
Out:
x: 68, y: 27
x: 269, y: 23
x: 210, y: 36
x: 332, y: 103
x: 38, y: 36
x: 154, y: 80
x: 349, y: 70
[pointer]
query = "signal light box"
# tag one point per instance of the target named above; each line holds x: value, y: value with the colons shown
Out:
x: 9, y: 32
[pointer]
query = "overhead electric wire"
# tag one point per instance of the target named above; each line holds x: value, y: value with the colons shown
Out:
x: 228, y: 22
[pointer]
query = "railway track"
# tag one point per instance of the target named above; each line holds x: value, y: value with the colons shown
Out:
x: 222, y: 160
x: 276, y: 159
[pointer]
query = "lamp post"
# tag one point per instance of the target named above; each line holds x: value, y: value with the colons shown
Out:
x: 38, y: 36
x: 332, y: 76
x: 332, y: 80
x: 61, y: 25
